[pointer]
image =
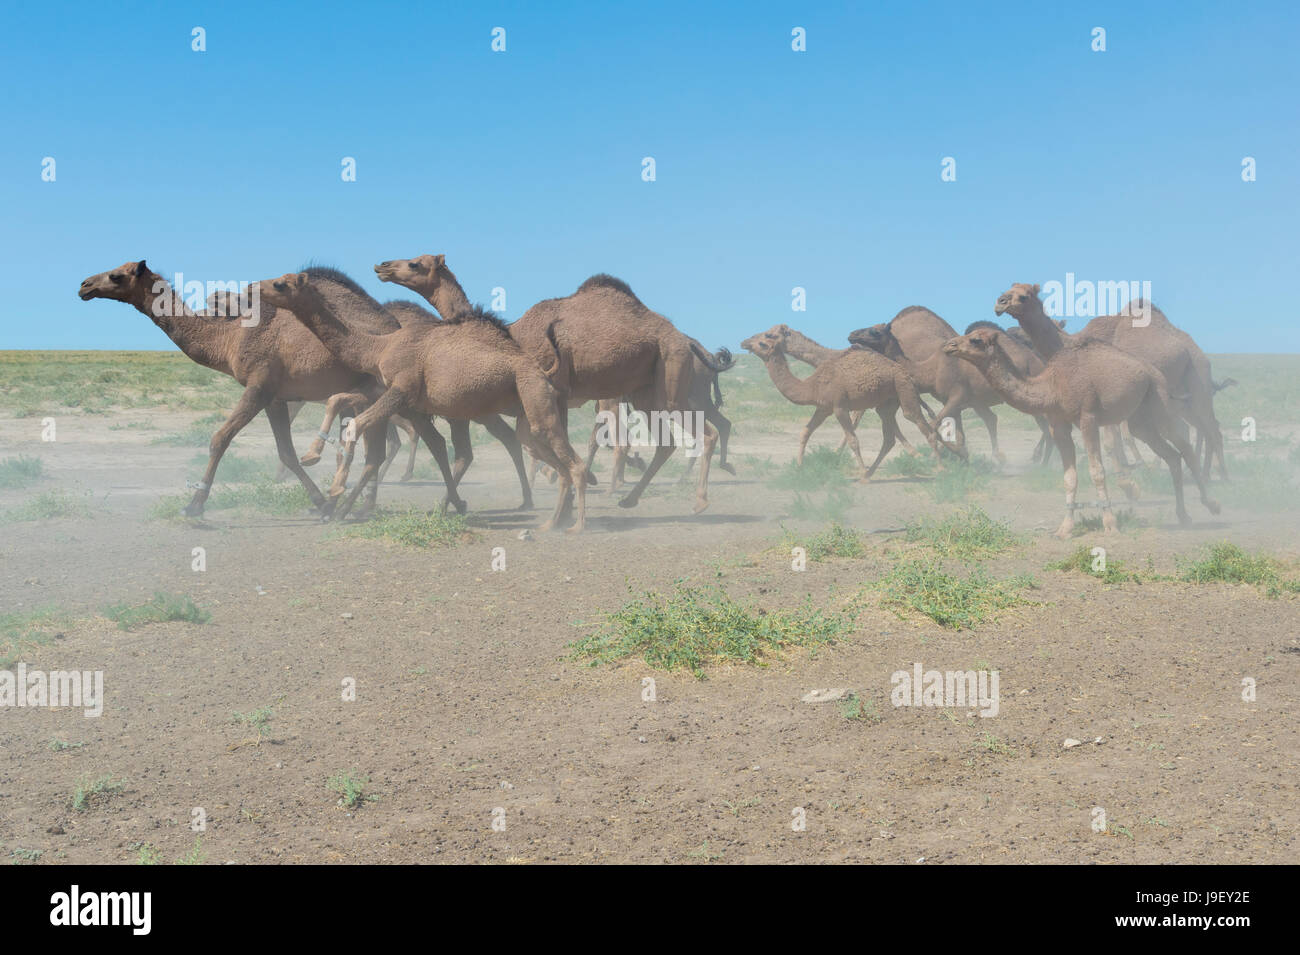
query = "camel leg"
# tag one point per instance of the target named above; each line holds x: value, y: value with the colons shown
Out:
x: 815, y: 422
x: 850, y: 438
x: 371, y: 424
x: 496, y: 426
x: 278, y: 415
x: 704, y: 444
x: 1167, y: 429
x: 722, y: 424
x: 1065, y: 448
x: 253, y: 400
x: 423, y: 425
x: 414, y: 440
x: 393, y: 444
x: 374, y: 437
x: 281, y: 472
x: 460, y: 440
x: 551, y: 443
x: 990, y: 420
x: 671, y: 392
x: 854, y: 419
x: 1091, y: 434
x: 1044, y: 446
x: 889, y: 434
x: 332, y: 408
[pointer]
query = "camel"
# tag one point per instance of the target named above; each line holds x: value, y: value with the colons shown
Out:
x: 1024, y: 357
x: 1158, y: 342
x: 461, y: 369
x: 276, y: 361
x: 854, y: 380
x: 610, y: 345
x: 1088, y: 384
x: 914, y: 338
x: 356, y: 308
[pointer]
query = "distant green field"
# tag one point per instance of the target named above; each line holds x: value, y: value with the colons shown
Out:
x: 33, y: 383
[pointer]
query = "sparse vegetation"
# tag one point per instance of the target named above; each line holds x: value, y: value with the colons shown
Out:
x: 924, y: 587
x: 414, y: 528
x: 966, y: 535
x: 20, y: 631
x: 694, y: 627
x: 833, y: 506
x: 823, y: 468
x: 351, y: 789
x: 196, y: 855
x: 158, y: 609
x: 1116, y: 571
x: 960, y: 480
x: 48, y: 505
x: 835, y: 540
x: 1230, y: 564
x: 265, y: 497
x: 21, y: 471
x: 859, y: 709
x: 197, y: 435
x: 94, y: 791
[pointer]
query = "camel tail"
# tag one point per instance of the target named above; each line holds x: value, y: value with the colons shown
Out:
x: 705, y: 357
x: 556, y: 374
x: 1217, y: 386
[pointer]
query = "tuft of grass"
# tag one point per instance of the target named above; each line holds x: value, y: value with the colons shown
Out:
x: 236, y: 470
x: 63, y: 745
x: 263, y: 496
x: 160, y: 608
x: 822, y: 469
x: 20, y: 471
x: 48, y: 505
x: 1230, y: 564
x: 1125, y: 520
x: 859, y: 710
x: 1116, y: 572
x: 966, y: 535
x: 694, y: 627
x: 351, y: 789
x: 94, y: 790
x: 833, y: 506
x: 908, y: 465
x: 196, y: 855
x: 415, y: 528
x: 959, y: 480
x: 835, y: 541
x: 258, y: 720
x: 147, y: 854
x: 925, y: 587
x: 20, y: 856
x: 22, y: 630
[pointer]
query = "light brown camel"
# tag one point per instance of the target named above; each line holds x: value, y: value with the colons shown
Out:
x: 359, y: 310
x: 461, y: 369
x: 914, y: 338
x: 1088, y: 384
x: 610, y: 345
x: 1142, y: 330
x: 276, y: 360
x: 854, y: 380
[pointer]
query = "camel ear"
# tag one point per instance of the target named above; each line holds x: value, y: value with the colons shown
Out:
x: 1036, y: 289
x: 141, y: 268
x: 439, y: 261
x: 300, y: 280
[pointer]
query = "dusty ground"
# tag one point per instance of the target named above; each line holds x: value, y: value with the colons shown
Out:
x: 466, y: 702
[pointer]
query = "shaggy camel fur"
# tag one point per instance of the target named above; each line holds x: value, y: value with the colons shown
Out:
x: 275, y: 359
x: 1024, y: 357
x: 914, y: 338
x: 463, y: 369
x: 855, y: 380
x: 610, y: 345
x: 1088, y: 385
x: 1141, y: 330
x: 357, y: 309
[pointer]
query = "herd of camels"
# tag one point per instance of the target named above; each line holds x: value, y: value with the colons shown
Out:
x: 396, y: 365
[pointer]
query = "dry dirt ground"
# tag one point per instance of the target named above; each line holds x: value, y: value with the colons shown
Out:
x: 468, y: 709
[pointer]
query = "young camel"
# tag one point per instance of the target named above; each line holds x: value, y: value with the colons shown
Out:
x: 274, y: 359
x: 359, y: 310
x: 914, y: 338
x: 1141, y: 330
x: 609, y: 343
x: 855, y: 380
x: 462, y: 369
x: 1088, y: 385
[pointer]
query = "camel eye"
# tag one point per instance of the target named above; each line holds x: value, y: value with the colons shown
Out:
x: 115, y: 276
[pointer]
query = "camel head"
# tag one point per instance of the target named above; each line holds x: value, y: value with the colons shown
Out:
x: 979, y: 347
x: 124, y: 283
x: 285, y: 291
x: 766, y: 344
x: 1016, y: 300
x: 422, y: 274
x: 878, y: 338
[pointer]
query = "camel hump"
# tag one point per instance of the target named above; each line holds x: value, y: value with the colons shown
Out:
x: 330, y: 274
x: 602, y: 280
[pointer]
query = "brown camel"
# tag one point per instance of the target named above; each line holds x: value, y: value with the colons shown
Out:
x: 854, y: 380
x: 610, y: 345
x: 461, y: 369
x: 276, y: 361
x: 1088, y: 384
x: 1142, y: 330
x: 914, y: 338
x: 1024, y: 357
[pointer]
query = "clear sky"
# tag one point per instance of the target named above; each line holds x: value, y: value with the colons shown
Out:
x: 774, y: 168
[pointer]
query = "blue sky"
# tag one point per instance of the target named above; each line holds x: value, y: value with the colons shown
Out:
x: 774, y: 169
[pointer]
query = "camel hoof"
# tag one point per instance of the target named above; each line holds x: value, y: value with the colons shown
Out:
x: 1212, y: 506
x: 1108, y: 523
x: 405, y: 477
x: 700, y: 507
x: 461, y: 506
x: 309, y: 458
x: 1066, y: 529
x: 628, y: 501
x: 729, y: 468
x: 191, y: 511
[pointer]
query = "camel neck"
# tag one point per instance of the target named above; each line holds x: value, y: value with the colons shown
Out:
x: 449, y: 298
x: 805, y: 349
x: 1023, y: 394
x: 1042, y: 331
x: 204, y: 341
x: 795, y: 389
x: 356, y: 351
